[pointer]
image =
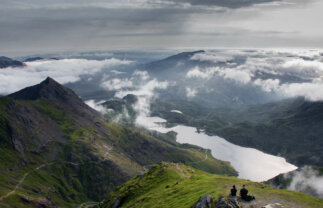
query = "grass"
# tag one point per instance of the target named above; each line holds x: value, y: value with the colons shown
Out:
x: 178, y: 185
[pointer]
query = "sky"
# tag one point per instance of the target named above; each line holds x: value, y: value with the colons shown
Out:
x: 30, y: 26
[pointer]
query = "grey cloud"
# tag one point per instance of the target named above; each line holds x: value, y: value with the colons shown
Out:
x: 233, y: 4
x: 46, y: 25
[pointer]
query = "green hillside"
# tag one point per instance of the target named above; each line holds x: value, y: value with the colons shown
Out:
x: 55, y: 151
x: 178, y: 185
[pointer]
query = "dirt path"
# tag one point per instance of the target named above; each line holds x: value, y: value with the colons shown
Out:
x: 26, y: 174
x: 21, y: 181
x: 87, y: 204
x: 200, y: 160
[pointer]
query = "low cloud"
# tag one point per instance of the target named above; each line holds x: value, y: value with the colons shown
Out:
x: 196, y: 72
x: 303, y: 67
x: 117, y: 84
x: 143, y: 75
x: 64, y: 71
x: 268, y: 85
x: 210, y: 57
x: 96, y: 105
x: 145, y: 93
x: 139, y: 84
x: 136, y: 78
x: 190, y: 92
x: 310, y: 91
x: 236, y: 75
x: 306, y: 180
x: 287, y: 73
x: 227, y: 73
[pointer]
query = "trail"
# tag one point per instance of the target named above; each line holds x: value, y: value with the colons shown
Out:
x: 200, y: 160
x: 87, y: 204
x: 21, y: 181
x: 26, y: 174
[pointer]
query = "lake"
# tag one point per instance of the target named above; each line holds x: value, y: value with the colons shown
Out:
x: 251, y: 163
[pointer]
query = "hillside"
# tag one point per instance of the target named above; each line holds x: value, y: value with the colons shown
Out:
x: 291, y: 128
x: 296, y: 134
x: 178, y: 185
x: 8, y: 62
x: 55, y: 151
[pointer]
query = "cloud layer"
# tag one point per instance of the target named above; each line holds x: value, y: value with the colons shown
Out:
x: 64, y: 71
x: 285, y: 73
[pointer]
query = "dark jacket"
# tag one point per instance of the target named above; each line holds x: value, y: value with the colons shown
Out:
x: 243, y: 193
x: 233, y: 192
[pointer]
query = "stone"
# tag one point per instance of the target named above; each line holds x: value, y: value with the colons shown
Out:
x: 204, y: 202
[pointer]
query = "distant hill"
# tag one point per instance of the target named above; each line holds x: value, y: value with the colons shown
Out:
x: 8, y: 62
x: 37, y: 58
x: 55, y: 151
x: 295, y: 133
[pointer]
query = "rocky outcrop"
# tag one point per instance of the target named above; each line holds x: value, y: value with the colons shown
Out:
x: 230, y: 202
x: 51, y: 90
x: 208, y: 202
x: 204, y: 202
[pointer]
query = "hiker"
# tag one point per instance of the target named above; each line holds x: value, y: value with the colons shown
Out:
x: 244, y: 194
x: 233, y: 191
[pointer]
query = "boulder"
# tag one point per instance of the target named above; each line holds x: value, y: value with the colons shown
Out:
x: 204, y: 202
x: 231, y: 202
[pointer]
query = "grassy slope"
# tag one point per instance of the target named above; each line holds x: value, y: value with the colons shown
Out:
x: 177, y: 185
x: 85, y: 164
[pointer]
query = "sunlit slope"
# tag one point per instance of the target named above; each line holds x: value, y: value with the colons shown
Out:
x: 178, y: 185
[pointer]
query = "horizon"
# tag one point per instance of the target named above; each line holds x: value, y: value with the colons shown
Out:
x: 46, y: 26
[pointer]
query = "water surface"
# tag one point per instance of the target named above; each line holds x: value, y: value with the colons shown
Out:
x: 251, y: 163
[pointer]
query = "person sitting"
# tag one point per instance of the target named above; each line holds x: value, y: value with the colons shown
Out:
x: 244, y: 194
x: 233, y: 191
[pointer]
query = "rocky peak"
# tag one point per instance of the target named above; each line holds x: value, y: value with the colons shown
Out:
x: 51, y: 90
x: 47, y: 89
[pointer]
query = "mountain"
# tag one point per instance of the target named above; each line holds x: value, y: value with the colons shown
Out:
x: 55, y: 151
x: 37, y: 58
x: 178, y: 185
x: 33, y: 59
x: 8, y: 62
x: 295, y: 134
x: 195, y: 79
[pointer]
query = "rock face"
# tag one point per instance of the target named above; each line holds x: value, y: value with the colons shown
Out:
x: 204, y: 202
x: 208, y: 202
x: 49, y: 89
x: 8, y: 62
x: 230, y: 202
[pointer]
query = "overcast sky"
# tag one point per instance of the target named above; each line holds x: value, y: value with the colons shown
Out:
x: 28, y: 26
